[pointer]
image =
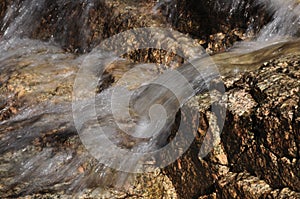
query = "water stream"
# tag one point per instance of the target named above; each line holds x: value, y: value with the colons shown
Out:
x: 39, y: 76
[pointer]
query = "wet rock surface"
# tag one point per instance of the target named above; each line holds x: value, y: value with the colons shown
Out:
x: 77, y: 26
x: 42, y: 155
x: 258, y: 156
x: 217, y: 23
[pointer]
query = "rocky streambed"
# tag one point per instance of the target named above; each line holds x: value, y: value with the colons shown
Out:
x: 42, y: 156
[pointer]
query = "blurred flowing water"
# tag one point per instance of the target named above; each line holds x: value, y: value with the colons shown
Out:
x: 36, y: 79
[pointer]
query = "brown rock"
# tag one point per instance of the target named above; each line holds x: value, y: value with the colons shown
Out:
x: 41, y: 154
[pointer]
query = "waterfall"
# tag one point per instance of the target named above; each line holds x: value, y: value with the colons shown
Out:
x: 285, y: 20
x: 65, y: 23
x: 21, y: 18
x: 50, y: 66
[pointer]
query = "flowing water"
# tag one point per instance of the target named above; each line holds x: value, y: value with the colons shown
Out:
x: 36, y: 79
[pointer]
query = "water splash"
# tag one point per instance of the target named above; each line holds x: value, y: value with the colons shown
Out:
x: 285, y: 21
x: 21, y: 18
x: 284, y: 26
x: 50, y: 21
x: 62, y: 168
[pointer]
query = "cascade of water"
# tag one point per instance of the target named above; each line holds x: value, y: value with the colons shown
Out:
x: 20, y: 18
x: 59, y: 21
x: 284, y: 25
x: 285, y: 21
